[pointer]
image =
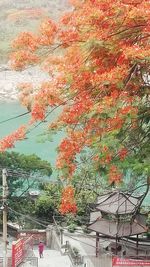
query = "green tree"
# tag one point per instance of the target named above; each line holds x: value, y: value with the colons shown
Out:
x: 47, y: 204
x: 25, y: 172
x: 29, y: 163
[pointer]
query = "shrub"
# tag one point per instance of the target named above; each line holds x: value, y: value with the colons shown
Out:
x: 72, y: 227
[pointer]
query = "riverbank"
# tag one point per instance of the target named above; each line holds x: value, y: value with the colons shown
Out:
x: 9, y: 80
x: 10, y: 108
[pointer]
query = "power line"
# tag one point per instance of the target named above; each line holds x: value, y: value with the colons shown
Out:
x: 27, y: 217
x: 15, y: 117
x: 45, y: 225
x: 42, y: 121
x: 25, y: 174
x: 37, y: 125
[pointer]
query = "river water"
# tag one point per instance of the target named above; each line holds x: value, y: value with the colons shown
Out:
x: 32, y: 145
x: 45, y: 150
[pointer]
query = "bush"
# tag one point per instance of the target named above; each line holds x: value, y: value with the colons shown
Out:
x: 72, y: 227
x: 85, y: 230
x: 75, y: 251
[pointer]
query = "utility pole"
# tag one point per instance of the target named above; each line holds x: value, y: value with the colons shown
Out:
x: 4, y: 209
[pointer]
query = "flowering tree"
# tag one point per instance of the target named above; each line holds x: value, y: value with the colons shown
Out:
x: 98, y: 59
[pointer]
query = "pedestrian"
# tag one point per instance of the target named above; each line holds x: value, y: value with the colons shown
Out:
x: 41, y: 248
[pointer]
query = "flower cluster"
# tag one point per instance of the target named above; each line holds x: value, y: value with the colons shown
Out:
x: 9, y: 141
x: 68, y: 204
x: 26, y: 40
x: 114, y: 174
x: 96, y: 77
x: 22, y: 58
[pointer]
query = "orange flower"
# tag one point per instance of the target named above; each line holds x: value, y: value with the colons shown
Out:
x: 9, y: 141
x: 68, y: 204
x: 114, y: 174
x: 123, y: 153
x: 26, y: 40
x: 22, y: 58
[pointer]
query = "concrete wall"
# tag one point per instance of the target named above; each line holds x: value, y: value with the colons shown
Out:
x: 54, y: 241
x: 38, y: 235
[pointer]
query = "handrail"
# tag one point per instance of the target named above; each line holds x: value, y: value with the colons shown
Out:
x: 76, y: 260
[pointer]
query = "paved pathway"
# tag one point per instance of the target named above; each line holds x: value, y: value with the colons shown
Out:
x: 52, y: 258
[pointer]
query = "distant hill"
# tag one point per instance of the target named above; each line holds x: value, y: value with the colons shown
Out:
x: 25, y: 15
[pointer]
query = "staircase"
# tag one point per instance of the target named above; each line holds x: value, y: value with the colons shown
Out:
x: 52, y: 258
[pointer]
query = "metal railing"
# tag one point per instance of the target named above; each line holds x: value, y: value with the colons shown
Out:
x: 75, y: 258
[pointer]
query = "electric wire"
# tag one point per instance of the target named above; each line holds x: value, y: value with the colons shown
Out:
x: 17, y: 173
x: 11, y: 172
x: 45, y: 225
x: 27, y: 217
x: 22, y: 173
x: 70, y: 236
x: 15, y: 117
x: 42, y: 121
x: 64, y: 228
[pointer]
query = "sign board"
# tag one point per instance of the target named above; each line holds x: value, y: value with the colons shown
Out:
x: 17, y: 252
x: 129, y: 262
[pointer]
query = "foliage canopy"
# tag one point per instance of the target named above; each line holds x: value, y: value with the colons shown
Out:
x: 23, y: 171
x: 98, y: 59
